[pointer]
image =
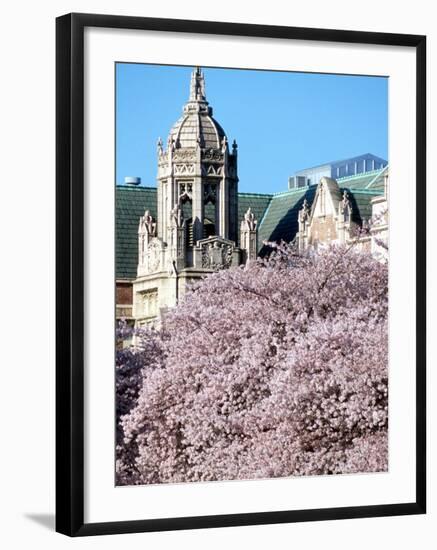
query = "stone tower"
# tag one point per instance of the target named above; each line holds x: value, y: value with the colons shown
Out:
x: 196, y: 231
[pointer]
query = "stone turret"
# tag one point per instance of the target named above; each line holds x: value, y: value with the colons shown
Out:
x: 198, y: 172
x: 196, y: 230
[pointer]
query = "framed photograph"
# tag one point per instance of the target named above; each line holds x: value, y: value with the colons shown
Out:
x: 240, y: 274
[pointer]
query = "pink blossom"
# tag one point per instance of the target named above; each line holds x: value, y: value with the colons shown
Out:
x: 278, y: 368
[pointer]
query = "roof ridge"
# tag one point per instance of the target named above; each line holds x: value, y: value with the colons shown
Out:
x: 377, y: 175
x: 154, y: 188
x: 361, y: 174
x: 364, y: 191
x: 256, y: 194
x: 291, y: 191
x: 135, y: 187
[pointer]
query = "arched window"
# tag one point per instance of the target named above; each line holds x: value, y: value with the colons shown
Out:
x: 187, y: 211
x: 208, y: 228
x: 209, y: 221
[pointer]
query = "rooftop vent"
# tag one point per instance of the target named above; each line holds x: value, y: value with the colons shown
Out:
x: 132, y: 180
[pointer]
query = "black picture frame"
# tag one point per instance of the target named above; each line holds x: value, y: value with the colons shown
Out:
x: 70, y: 273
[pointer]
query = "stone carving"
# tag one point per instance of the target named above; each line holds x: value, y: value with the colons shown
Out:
x: 148, y: 224
x: 185, y: 190
x: 224, y: 144
x: 249, y: 222
x: 197, y: 86
x: 181, y: 169
x: 163, y: 160
x: 212, y: 154
x: 177, y: 216
x: 345, y: 208
x: 345, y: 203
x: 184, y: 155
x: 212, y: 170
x: 216, y: 255
x: 304, y: 212
x: 171, y: 144
x: 153, y: 256
x: 249, y: 235
x: 149, y: 303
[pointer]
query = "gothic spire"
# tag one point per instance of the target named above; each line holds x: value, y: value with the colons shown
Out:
x: 197, y: 87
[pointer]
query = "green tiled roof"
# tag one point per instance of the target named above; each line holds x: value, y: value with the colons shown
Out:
x: 361, y: 203
x: 280, y: 220
x: 256, y: 201
x: 361, y: 190
x: 131, y: 203
x: 369, y: 180
x: 258, y: 204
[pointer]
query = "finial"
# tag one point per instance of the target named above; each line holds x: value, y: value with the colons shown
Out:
x: 171, y: 143
x: 345, y: 202
x: 197, y: 87
x: 159, y: 146
x: 304, y: 211
x: 148, y: 224
x: 249, y: 220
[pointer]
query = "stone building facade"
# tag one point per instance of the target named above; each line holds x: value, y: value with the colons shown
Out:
x: 334, y: 218
x: 196, y: 227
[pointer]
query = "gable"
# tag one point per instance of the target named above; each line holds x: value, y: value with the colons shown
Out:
x: 328, y: 196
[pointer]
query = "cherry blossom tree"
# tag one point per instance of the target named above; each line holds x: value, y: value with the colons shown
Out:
x: 277, y: 368
x: 130, y: 365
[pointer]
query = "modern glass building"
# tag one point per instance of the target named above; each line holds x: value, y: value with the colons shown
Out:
x: 336, y: 169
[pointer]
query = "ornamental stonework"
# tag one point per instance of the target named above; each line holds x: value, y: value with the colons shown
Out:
x: 212, y: 170
x: 196, y: 226
x: 163, y: 159
x: 213, y: 154
x: 183, y: 169
x: 153, y: 256
x: 184, y: 155
x: 186, y: 189
x: 216, y: 255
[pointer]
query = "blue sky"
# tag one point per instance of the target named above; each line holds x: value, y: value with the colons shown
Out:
x: 282, y: 121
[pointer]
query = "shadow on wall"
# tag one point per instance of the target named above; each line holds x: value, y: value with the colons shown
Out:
x: 46, y: 520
